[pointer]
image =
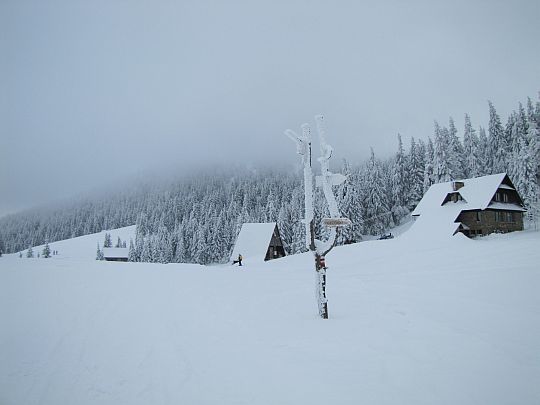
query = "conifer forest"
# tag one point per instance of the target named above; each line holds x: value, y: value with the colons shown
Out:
x: 195, y: 219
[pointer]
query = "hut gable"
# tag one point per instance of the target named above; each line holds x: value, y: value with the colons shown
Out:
x: 477, y: 206
x: 258, y: 242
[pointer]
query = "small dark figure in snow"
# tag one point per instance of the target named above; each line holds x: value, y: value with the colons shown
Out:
x: 239, y: 261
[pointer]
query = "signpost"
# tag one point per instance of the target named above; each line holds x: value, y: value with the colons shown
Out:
x: 326, y: 181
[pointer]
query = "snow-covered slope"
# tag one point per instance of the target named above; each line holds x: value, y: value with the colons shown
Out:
x: 84, y: 247
x: 412, y: 322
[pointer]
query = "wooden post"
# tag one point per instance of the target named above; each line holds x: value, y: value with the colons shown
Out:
x: 320, y: 268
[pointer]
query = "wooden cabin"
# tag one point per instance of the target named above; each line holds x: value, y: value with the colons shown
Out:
x: 474, y: 207
x: 116, y: 254
x: 258, y: 242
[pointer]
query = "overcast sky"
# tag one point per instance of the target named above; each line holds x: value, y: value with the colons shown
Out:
x: 93, y: 91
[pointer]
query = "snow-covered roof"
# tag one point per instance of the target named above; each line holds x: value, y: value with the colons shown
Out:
x: 253, y: 241
x: 477, y: 192
x: 434, y: 218
x: 116, y: 253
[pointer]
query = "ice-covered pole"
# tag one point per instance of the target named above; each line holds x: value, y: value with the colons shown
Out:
x: 326, y: 180
x: 326, y: 175
x: 303, y: 148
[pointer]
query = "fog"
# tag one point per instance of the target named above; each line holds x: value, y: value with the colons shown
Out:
x: 96, y: 92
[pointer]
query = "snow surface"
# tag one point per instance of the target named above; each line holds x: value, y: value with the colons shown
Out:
x: 412, y: 322
x: 253, y: 241
x: 84, y: 247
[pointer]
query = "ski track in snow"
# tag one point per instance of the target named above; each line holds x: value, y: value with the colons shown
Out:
x: 411, y: 322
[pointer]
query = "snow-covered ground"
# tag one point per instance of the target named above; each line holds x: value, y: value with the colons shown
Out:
x: 412, y: 322
x: 84, y: 247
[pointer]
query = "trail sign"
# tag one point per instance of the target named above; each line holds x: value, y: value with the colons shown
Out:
x: 335, y: 179
x: 336, y: 222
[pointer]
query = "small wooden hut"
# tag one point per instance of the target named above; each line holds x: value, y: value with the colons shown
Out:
x: 116, y: 254
x: 258, y: 242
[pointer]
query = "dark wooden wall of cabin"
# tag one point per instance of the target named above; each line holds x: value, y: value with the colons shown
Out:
x: 488, y: 222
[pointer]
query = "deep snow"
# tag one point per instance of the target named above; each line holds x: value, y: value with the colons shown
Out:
x: 412, y: 322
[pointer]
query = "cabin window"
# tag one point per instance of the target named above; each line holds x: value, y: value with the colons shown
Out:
x: 505, y: 197
x: 497, y: 196
x: 497, y: 216
x: 478, y: 216
x: 509, y: 217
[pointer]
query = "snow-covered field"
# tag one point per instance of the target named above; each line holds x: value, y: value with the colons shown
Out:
x: 412, y: 322
x: 84, y: 247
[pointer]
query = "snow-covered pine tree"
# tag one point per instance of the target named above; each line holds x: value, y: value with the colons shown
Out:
x: 108, y: 242
x: 348, y: 199
x: 163, y: 246
x: 30, y: 252
x: 525, y: 179
x: 118, y: 243
x: 428, y: 168
x: 442, y: 170
x: 399, y: 185
x: 146, y: 253
x: 533, y: 141
x: 377, y: 212
x: 498, y: 146
x: 471, y: 150
x: 456, y: 154
x: 132, y: 255
x: 180, y: 249
x: 483, y: 153
x: 415, y: 173
x: 99, y: 253
x: 46, y: 251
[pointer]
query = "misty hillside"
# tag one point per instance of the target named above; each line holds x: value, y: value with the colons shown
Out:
x: 196, y: 218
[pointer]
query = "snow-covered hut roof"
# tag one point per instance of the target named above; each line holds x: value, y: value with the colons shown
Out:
x: 115, y: 253
x: 477, y: 193
x: 253, y: 241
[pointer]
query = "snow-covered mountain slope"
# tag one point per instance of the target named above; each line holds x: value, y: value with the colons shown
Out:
x: 412, y: 322
x: 84, y: 247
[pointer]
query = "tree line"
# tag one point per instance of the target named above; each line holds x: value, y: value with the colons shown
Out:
x: 197, y: 218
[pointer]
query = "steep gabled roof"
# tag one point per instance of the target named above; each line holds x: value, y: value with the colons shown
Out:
x: 434, y: 218
x: 477, y: 192
x: 253, y: 241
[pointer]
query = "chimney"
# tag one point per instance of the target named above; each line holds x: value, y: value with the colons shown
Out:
x: 456, y: 185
